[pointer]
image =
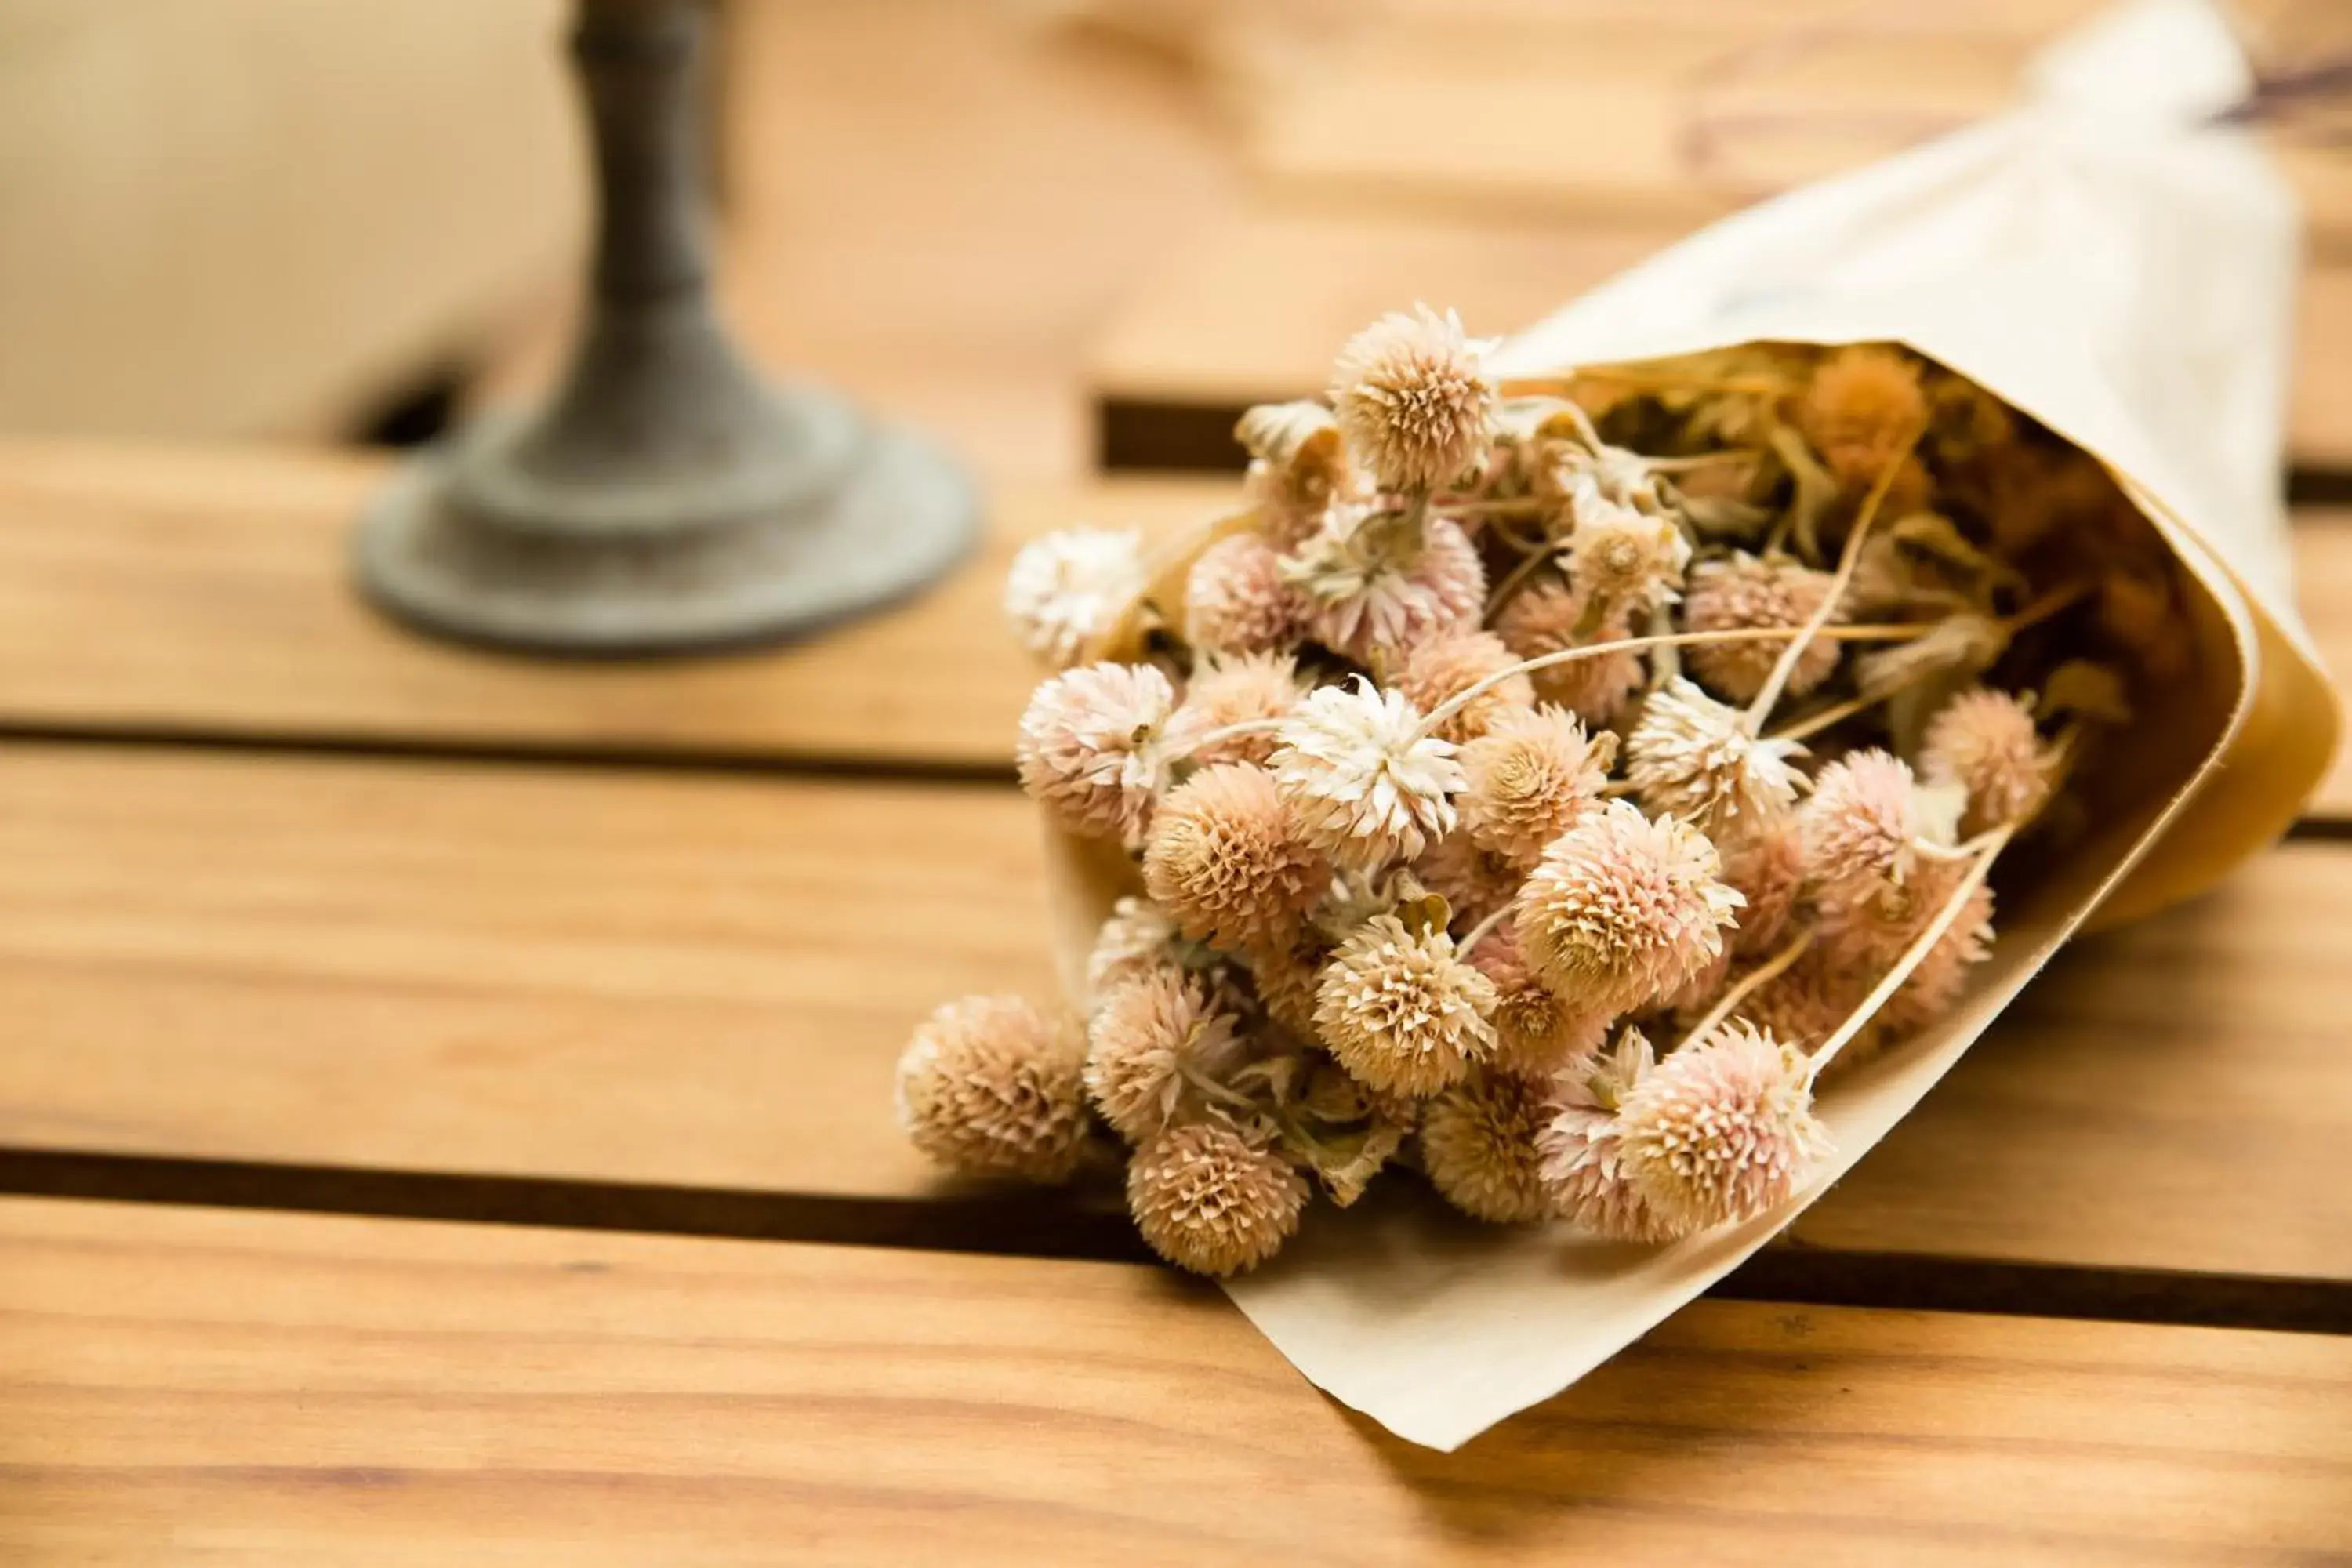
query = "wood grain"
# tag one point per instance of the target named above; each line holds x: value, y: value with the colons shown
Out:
x: 191, y: 1385
x: 628, y: 978
x: 1252, y: 308
x: 204, y: 591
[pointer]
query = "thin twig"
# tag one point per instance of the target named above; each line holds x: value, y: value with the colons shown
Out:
x: 1749, y: 983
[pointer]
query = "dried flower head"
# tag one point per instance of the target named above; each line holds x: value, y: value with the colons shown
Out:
x: 1212, y: 1199
x: 1478, y: 1146
x: 1695, y: 758
x: 1064, y: 589
x: 1473, y: 882
x: 1551, y: 616
x: 1528, y: 779
x: 1936, y: 985
x: 1286, y: 978
x: 1143, y: 1041
x: 1984, y: 742
x: 1087, y: 750
x: 1137, y: 939
x: 1862, y: 409
x: 1722, y: 1129
x: 1867, y: 926
x: 1376, y: 586
x: 988, y: 1086
x: 1583, y: 1144
x: 1445, y: 664
x: 1402, y: 1011
x: 1225, y: 859
x: 1767, y: 868
x: 1860, y: 825
x: 1622, y: 910
x: 1748, y: 590
x: 1537, y: 1032
x: 1363, y: 785
x: 1412, y: 400
x: 1627, y: 560
x: 1237, y: 601
x: 1298, y: 465
x: 1229, y: 689
x: 1811, y: 1000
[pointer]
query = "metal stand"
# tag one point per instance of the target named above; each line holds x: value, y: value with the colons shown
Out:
x: 667, y: 499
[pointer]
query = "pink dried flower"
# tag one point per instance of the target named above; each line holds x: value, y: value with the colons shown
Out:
x: 1623, y: 911
x: 1472, y: 881
x: 1583, y: 1144
x: 1549, y: 617
x: 1136, y: 940
x: 1528, y: 779
x: 1235, y: 600
x: 1401, y: 1011
x: 1870, y: 934
x: 1412, y: 399
x: 1722, y: 1129
x: 1212, y: 1199
x: 1744, y: 592
x: 1088, y: 748
x: 1375, y: 587
x: 1862, y: 409
x: 988, y: 1086
x: 1142, y: 1041
x: 1983, y: 743
x: 1536, y: 1032
x: 1811, y: 1000
x: 1445, y: 664
x: 1860, y: 825
x: 1226, y: 860
x: 1362, y: 784
x: 1767, y: 868
x: 1695, y: 758
x: 1478, y: 1147
x: 1229, y: 689
x: 1066, y: 588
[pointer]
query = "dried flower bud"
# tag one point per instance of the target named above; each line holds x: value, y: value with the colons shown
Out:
x: 1627, y: 560
x: 1537, y: 1032
x: 1087, y: 744
x: 1401, y: 1011
x: 1445, y: 664
x: 1226, y: 860
x: 1237, y: 600
x: 1412, y: 399
x: 1478, y: 1146
x: 1551, y: 618
x: 1722, y: 1129
x: 1623, y: 911
x: 1747, y: 592
x: 1141, y: 1041
x: 1229, y: 689
x: 1582, y: 1145
x: 1376, y: 586
x: 1696, y: 759
x: 1984, y: 742
x: 1363, y: 785
x: 1528, y: 779
x: 1066, y: 588
x: 1862, y: 409
x: 1208, y: 1198
x: 988, y: 1086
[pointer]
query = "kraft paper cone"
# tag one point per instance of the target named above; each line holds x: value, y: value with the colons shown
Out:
x: 2121, y: 277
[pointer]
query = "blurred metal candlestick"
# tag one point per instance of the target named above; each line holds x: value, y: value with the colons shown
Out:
x: 667, y: 499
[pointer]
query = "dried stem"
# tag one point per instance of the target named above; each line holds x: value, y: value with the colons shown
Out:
x: 1483, y: 928
x: 1647, y: 380
x: 1749, y: 984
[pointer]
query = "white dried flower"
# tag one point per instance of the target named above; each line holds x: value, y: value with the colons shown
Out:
x: 1375, y: 585
x: 1412, y: 400
x: 1088, y: 750
x: 1623, y: 558
x: 1695, y: 758
x: 1362, y: 784
x: 1066, y: 588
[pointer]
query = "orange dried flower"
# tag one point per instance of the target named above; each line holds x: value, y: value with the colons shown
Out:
x: 1402, y: 1011
x: 1861, y: 409
x: 1545, y: 619
x: 1412, y: 400
x: 1748, y: 590
x: 1623, y: 911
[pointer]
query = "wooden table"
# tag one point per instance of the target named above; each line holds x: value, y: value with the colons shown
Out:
x: 369, y: 1004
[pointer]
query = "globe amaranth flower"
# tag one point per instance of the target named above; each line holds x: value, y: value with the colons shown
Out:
x: 1212, y: 1199
x: 1861, y: 410
x: 1472, y: 881
x: 1227, y: 690
x: 1400, y: 1010
x: 1237, y: 601
x: 1767, y: 868
x: 1551, y: 618
x: 1862, y: 825
x: 1443, y: 666
x: 1695, y: 758
x: 1622, y: 557
x: 1088, y: 749
x: 1623, y: 911
x: 989, y: 1086
x: 1377, y: 583
x: 1363, y: 785
x: 1745, y: 591
x: 1528, y: 779
x: 1537, y: 1031
x: 1136, y: 939
x: 1142, y: 1041
x: 1581, y: 1145
x: 1478, y: 1147
x: 1412, y: 398
x: 1984, y: 743
x: 1225, y: 859
x: 1722, y: 1129
x: 1066, y: 588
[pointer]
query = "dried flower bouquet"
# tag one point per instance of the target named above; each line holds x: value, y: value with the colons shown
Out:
x: 1544, y: 785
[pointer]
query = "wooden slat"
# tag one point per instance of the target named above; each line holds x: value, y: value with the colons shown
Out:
x: 633, y: 979
x: 206, y: 591
x: 190, y: 1386
x: 1254, y: 309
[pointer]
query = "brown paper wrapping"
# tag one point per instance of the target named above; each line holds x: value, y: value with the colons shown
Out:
x: 2121, y: 278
